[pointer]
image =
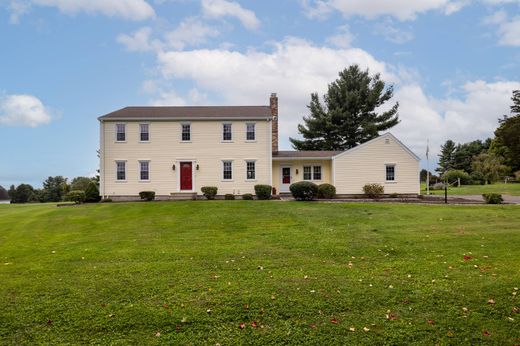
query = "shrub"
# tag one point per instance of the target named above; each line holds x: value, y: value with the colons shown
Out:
x: 477, y: 178
x: 229, y: 197
x: 493, y: 198
x: 373, y: 190
x: 76, y: 196
x: 453, y: 174
x: 517, y: 176
x: 247, y: 196
x: 92, y: 193
x: 263, y: 191
x: 327, y: 191
x: 438, y: 186
x: 304, y: 190
x: 147, y: 195
x: 106, y: 200
x: 393, y: 195
x: 209, y: 191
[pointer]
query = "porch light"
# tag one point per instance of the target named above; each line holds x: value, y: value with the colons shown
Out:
x: 197, y: 167
x: 296, y: 171
x: 173, y: 166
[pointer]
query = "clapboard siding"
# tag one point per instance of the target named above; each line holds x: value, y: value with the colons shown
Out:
x: 326, y: 171
x: 165, y: 149
x: 366, y: 164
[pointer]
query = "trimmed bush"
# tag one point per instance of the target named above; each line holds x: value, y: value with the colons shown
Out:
x: 76, y: 196
x: 326, y: 191
x: 304, y: 190
x: 92, y: 193
x: 493, y: 198
x: 373, y: 190
x: 438, y: 186
x: 209, y: 191
x: 453, y: 174
x: 263, y: 191
x: 229, y: 197
x: 393, y: 195
x: 147, y: 195
x: 247, y: 196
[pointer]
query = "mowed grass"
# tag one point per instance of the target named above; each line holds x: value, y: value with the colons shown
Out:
x: 291, y: 272
x: 512, y: 189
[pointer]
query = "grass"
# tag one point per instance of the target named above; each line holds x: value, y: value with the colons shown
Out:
x: 304, y: 273
x: 512, y: 189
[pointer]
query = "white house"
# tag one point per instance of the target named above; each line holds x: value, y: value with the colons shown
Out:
x: 175, y: 151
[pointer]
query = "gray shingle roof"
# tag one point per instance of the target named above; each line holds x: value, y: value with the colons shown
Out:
x: 190, y: 112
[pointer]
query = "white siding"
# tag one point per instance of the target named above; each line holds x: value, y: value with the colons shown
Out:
x: 367, y: 164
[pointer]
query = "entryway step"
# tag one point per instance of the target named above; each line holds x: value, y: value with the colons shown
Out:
x: 183, y: 196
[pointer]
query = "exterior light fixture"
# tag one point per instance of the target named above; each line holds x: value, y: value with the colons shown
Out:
x: 173, y: 166
x: 296, y: 171
x: 197, y: 167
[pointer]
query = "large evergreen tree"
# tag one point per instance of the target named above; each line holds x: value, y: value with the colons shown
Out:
x: 446, y: 157
x: 507, y: 135
x: 348, y: 115
x: 464, y: 154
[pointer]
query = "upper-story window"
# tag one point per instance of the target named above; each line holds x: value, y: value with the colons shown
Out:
x: 227, y: 170
x: 144, y: 130
x: 186, y: 132
x: 120, y: 132
x: 120, y: 170
x: 226, y: 132
x: 250, y: 132
x: 144, y: 170
x: 390, y: 172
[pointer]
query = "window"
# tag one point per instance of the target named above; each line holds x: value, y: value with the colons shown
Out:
x: 390, y: 172
x: 317, y: 173
x: 145, y: 132
x: 311, y: 172
x: 226, y: 132
x: 307, y: 173
x: 120, y: 132
x: 227, y: 171
x: 251, y: 170
x: 144, y: 170
x: 121, y: 170
x: 186, y: 132
x: 250, y: 132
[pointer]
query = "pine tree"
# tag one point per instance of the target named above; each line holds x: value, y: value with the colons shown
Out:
x: 446, y: 157
x: 515, y: 108
x: 348, y: 116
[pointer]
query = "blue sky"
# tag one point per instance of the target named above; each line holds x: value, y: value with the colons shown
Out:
x: 453, y: 64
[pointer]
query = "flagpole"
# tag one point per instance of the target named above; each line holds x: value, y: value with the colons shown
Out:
x: 427, y: 167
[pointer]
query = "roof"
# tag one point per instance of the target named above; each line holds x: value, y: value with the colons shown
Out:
x: 190, y: 112
x: 384, y: 135
x: 291, y: 154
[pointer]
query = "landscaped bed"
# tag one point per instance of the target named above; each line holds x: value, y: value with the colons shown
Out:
x: 259, y: 272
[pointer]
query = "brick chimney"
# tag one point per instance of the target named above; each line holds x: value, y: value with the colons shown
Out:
x: 273, y: 103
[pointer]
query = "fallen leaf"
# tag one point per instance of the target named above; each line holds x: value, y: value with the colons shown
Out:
x: 450, y: 334
x: 515, y: 310
x: 366, y: 329
x: 208, y: 311
x: 350, y: 265
x: 334, y: 321
x: 491, y: 301
x: 49, y: 322
x: 273, y: 297
x: 485, y: 333
x: 246, y: 307
x: 431, y: 322
x: 242, y: 325
x: 352, y: 329
x: 465, y: 310
x: 158, y: 334
x: 312, y: 325
x: 467, y: 258
x: 184, y: 320
x: 253, y: 324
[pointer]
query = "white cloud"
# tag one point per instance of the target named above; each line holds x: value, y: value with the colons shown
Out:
x: 507, y: 30
x: 392, y: 33
x: 190, y: 31
x: 343, y: 38
x: 224, y: 8
x: 400, y: 9
x: 139, y: 41
x: 23, y: 110
x: 128, y: 9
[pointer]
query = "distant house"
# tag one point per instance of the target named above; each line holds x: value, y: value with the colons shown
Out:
x: 177, y: 150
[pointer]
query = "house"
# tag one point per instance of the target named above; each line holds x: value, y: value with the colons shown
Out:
x: 175, y: 151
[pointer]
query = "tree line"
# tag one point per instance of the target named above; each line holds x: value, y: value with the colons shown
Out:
x: 55, y: 189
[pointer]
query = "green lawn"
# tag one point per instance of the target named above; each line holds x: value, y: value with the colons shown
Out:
x: 512, y: 189
x: 292, y: 272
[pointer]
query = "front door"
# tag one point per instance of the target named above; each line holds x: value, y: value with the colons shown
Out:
x: 285, y: 179
x: 186, y: 176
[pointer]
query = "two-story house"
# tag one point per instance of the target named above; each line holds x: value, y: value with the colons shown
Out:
x: 175, y: 151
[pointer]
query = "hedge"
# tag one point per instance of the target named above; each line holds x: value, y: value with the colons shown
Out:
x: 304, y: 190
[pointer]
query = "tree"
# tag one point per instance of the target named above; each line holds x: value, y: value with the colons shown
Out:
x: 22, y: 194
x: 3, y: 194
x: 446, y: 156
x: 464, y: 154
x: 348, y: 116
x: 92, y: 193
x: 515, y: 108
x: 490, y: 167
x: 507, y: 141
x: 55, y: 188
x: 80, y: 183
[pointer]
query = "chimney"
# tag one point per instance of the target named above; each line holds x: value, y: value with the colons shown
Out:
x: 273, y: 103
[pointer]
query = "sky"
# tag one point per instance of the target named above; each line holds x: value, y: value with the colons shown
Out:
x: 453, y: 65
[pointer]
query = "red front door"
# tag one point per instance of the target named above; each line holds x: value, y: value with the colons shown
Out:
x: 186, y: 176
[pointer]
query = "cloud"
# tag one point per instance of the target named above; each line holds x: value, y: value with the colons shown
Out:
x: 400, y: 9
x: 23, y: 110
x: 224, y: 8
x: 507, y: 30
x: 128, y: 9
x: 343, y: 38
x: 138, y: 41
x: 391, y: 33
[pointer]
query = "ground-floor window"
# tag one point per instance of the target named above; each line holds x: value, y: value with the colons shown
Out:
x: 390, y: 172
x: 316, y: 174
x: 121, y: 170
x: 144, y: 170
x: 227, y: 170
x: 311, y: 172
x: 251, y: 170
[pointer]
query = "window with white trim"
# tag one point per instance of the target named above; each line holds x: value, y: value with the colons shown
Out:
x: 307, y: 172
x: 390, y: 172
x: 144, y: 170
x: 226, y: 132
x: 250, y: 132
x: 316, y: 172
x: 144, y: 130
x: 186, y: 132
x: 250, y: 170
x: 121, y: 170
x: 227, y: 170
x: 120, y: 132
